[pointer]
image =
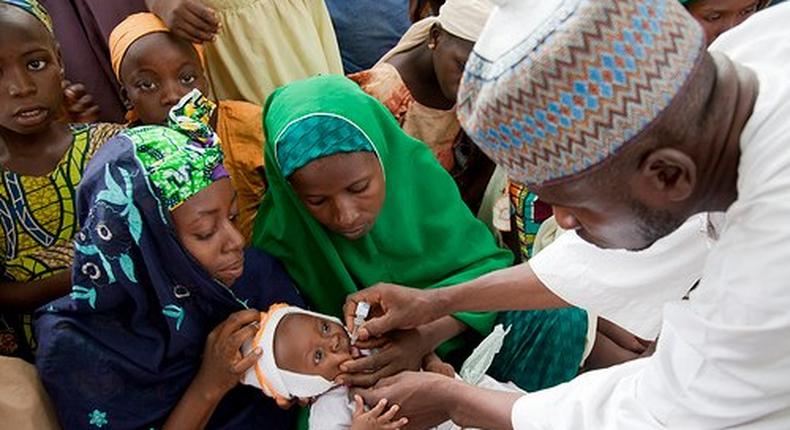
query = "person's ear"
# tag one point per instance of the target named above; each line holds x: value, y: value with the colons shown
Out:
x: 59, y: 56
x: 127, y: 103
x: 434, y: 35
x: 666, y: 177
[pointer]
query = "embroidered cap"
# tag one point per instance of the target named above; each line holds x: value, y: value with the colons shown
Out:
x: 553, y: 88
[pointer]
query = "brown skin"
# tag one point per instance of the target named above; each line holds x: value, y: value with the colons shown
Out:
x: 433, y: 70
x: 343, y: 192
x: 204, y: 226
x: 718, y: 16
x: 685, y: 164
x: 33, y: 142
x: 156, y: 72
x: 189, y: 19
x: 310, y: 345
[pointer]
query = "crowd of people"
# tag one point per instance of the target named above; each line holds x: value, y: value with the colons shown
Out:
x: 559, y: 214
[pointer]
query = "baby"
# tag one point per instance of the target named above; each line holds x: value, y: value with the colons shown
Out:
x: 302, y: 355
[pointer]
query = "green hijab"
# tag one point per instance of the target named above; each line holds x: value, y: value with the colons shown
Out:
x: 424, y: 237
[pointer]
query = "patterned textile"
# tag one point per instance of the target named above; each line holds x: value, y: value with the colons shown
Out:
x: 299, y: 143
x: 543, y: 348
x: 34, y: 8
x: 181, y: 163
x: 574, y: 81
x: 527, y: 214
x: 38, y: 224
x: 122, y: 348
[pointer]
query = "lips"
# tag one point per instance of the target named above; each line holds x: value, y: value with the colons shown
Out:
x: 354, y: 232
x: 31, y: 116
x: 235, y: 269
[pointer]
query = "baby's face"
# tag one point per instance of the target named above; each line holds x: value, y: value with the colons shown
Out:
x: 311, y: 346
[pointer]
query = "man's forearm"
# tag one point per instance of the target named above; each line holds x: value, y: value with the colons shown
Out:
x: 514, y: 288
x: 475, y: 407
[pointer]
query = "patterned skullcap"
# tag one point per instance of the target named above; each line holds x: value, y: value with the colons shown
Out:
x: 34, y: 8
x: 554, y: 88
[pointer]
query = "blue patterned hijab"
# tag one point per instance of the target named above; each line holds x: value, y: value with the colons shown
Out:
x: 120, y: 351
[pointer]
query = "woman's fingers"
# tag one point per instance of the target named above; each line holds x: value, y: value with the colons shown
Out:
x: 248, y: 361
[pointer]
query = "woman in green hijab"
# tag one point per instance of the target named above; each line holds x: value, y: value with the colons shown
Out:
x: 354, y: 201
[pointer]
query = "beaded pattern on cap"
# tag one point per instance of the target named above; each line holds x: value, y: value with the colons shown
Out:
x: 578, y: 87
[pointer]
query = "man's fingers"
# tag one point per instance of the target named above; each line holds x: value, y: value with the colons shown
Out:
x: 366, y: 364
x: 349, y: 311
x: 248, y: 361
x: 373, y: 343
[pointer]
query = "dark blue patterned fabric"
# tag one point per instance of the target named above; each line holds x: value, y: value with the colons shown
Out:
x: 121, y: 350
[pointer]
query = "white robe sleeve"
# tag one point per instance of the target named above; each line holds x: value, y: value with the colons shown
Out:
x: 627, y: 288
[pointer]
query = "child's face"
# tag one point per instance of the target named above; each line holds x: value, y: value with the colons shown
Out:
x: 30, y: 73
x: 157, y: 71
x: 204, y: 226
x: 311, y: 346
x: 449, y: 59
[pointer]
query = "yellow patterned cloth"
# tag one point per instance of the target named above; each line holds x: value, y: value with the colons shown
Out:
x: 37, y: 215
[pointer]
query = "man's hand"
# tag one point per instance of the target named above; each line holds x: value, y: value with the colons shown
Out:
x: 421, y: 397
x: 188, y: 19
x: 393, y: 308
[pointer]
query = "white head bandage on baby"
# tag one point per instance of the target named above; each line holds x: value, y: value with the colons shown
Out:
x: 266, y: 375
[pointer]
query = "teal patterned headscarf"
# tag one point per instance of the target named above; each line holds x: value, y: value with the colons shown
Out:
x: 297, y: 144
x: 34, y: 8
x: 185, y: 157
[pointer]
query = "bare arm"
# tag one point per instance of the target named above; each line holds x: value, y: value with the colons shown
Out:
x: 514, y: 288
x: 428, y: 399
x: 27, y: 296
x: 195, y: 408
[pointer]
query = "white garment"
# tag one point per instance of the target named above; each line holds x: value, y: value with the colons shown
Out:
x: 334, y: 410
x: 723, y: 358
x: 627, y: 288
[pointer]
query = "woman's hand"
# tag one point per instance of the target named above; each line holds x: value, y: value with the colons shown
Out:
x: 188, y: 19
x: 398, y: 351
x: 223, y: 364
x: 378, y: 418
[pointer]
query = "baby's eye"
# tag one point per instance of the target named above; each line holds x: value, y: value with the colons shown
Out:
x: 324, y: 328
x: 36, y: 65
x: 318, y: 355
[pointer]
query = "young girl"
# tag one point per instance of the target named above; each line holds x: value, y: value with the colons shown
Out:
x: 41, y: 164
x: 163, y: 291
x: 156, y: 69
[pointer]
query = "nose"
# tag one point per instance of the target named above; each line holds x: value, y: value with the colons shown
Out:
x: 565, y: 218
x: 172, y: 93
x: 20, y: 84
x: 346, y: 213
x: 235, y: 241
